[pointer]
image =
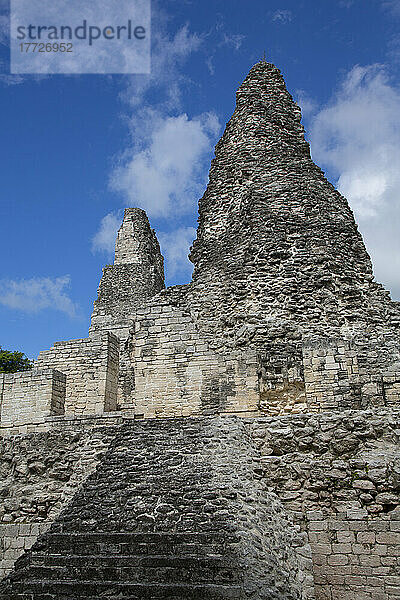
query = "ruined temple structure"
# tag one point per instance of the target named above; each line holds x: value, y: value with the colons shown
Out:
x: 235, y: 437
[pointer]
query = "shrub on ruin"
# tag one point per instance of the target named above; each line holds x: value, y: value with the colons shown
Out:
x: 13, y: 361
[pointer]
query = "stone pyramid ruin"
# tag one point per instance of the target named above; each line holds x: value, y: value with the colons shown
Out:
x: 235, y: 437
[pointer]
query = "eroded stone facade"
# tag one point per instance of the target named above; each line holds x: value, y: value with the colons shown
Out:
x: 338, y: 475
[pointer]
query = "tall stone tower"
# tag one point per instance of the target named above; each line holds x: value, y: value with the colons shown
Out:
x: 280, y: 266
x: 277, y: 247
x: 136, y: 275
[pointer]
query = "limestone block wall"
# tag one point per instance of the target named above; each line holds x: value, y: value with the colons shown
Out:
x: 2, y: 377
x: 64, y: 422
x: 176, y: 372
x: 137, y: 243
x: 391, y: 388
x: 39, y: 474
x: 331, y: 375
x: 91, y: 367
x: 29, y: 396
x: 126, y: 373
x: 342, y: 373
x: 338, y: 475
x: 136, y: 275
x: 123, y: 329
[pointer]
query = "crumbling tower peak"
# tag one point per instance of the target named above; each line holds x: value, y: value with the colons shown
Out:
x: 265, y: 106
x: 137, y: 242
x: 137, y: 273
x: 276, y: 243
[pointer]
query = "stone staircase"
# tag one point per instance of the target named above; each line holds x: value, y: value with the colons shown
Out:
x: 127, y: 566
x: 147, y: 524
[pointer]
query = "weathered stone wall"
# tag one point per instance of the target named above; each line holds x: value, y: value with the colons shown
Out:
x: 137, y: 244
x: 2, y: 375
x: 122, y: 289
x: 278, y: 262
x: 338, y: 374
x: 281, y: 272
x: 338, y: 475
x: 193, y: 478
x: 281, y: 378
x: 91, y: 367
x: 39, y: 474
x: 136, y: 275
x: 29, y: 396
x: 282, y: 317
x: 331, y: 375
x: 64, y: 422
x: 325, y: 373
x: 178, y: 374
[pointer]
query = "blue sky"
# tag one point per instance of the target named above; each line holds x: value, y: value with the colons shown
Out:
x: 77, y: 149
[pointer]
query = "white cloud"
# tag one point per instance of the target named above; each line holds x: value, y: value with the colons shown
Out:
x: 104, y: 239
x: 307, y: 104
x: 175, y: 247
x: 357, y: 138
x: 166, y: 78
x: 282, y: 16
x: 210, y: 64
x: 219, y: 38
x: 38, y: 293
x: 358, y: 135
x: 233, y: 40
x: 165, y: 173
x: 164, y: 168
x: 384, y: 248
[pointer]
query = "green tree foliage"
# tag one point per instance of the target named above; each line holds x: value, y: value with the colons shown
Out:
x: 11, y: 362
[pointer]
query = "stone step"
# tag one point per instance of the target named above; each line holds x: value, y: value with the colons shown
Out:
x: 140, y: 536
x: 109, y: 590
x: 192, y: 573
x: 82, y: 526
x: 155, y: 560
x: 181, y: 596
x: 135, y: 543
